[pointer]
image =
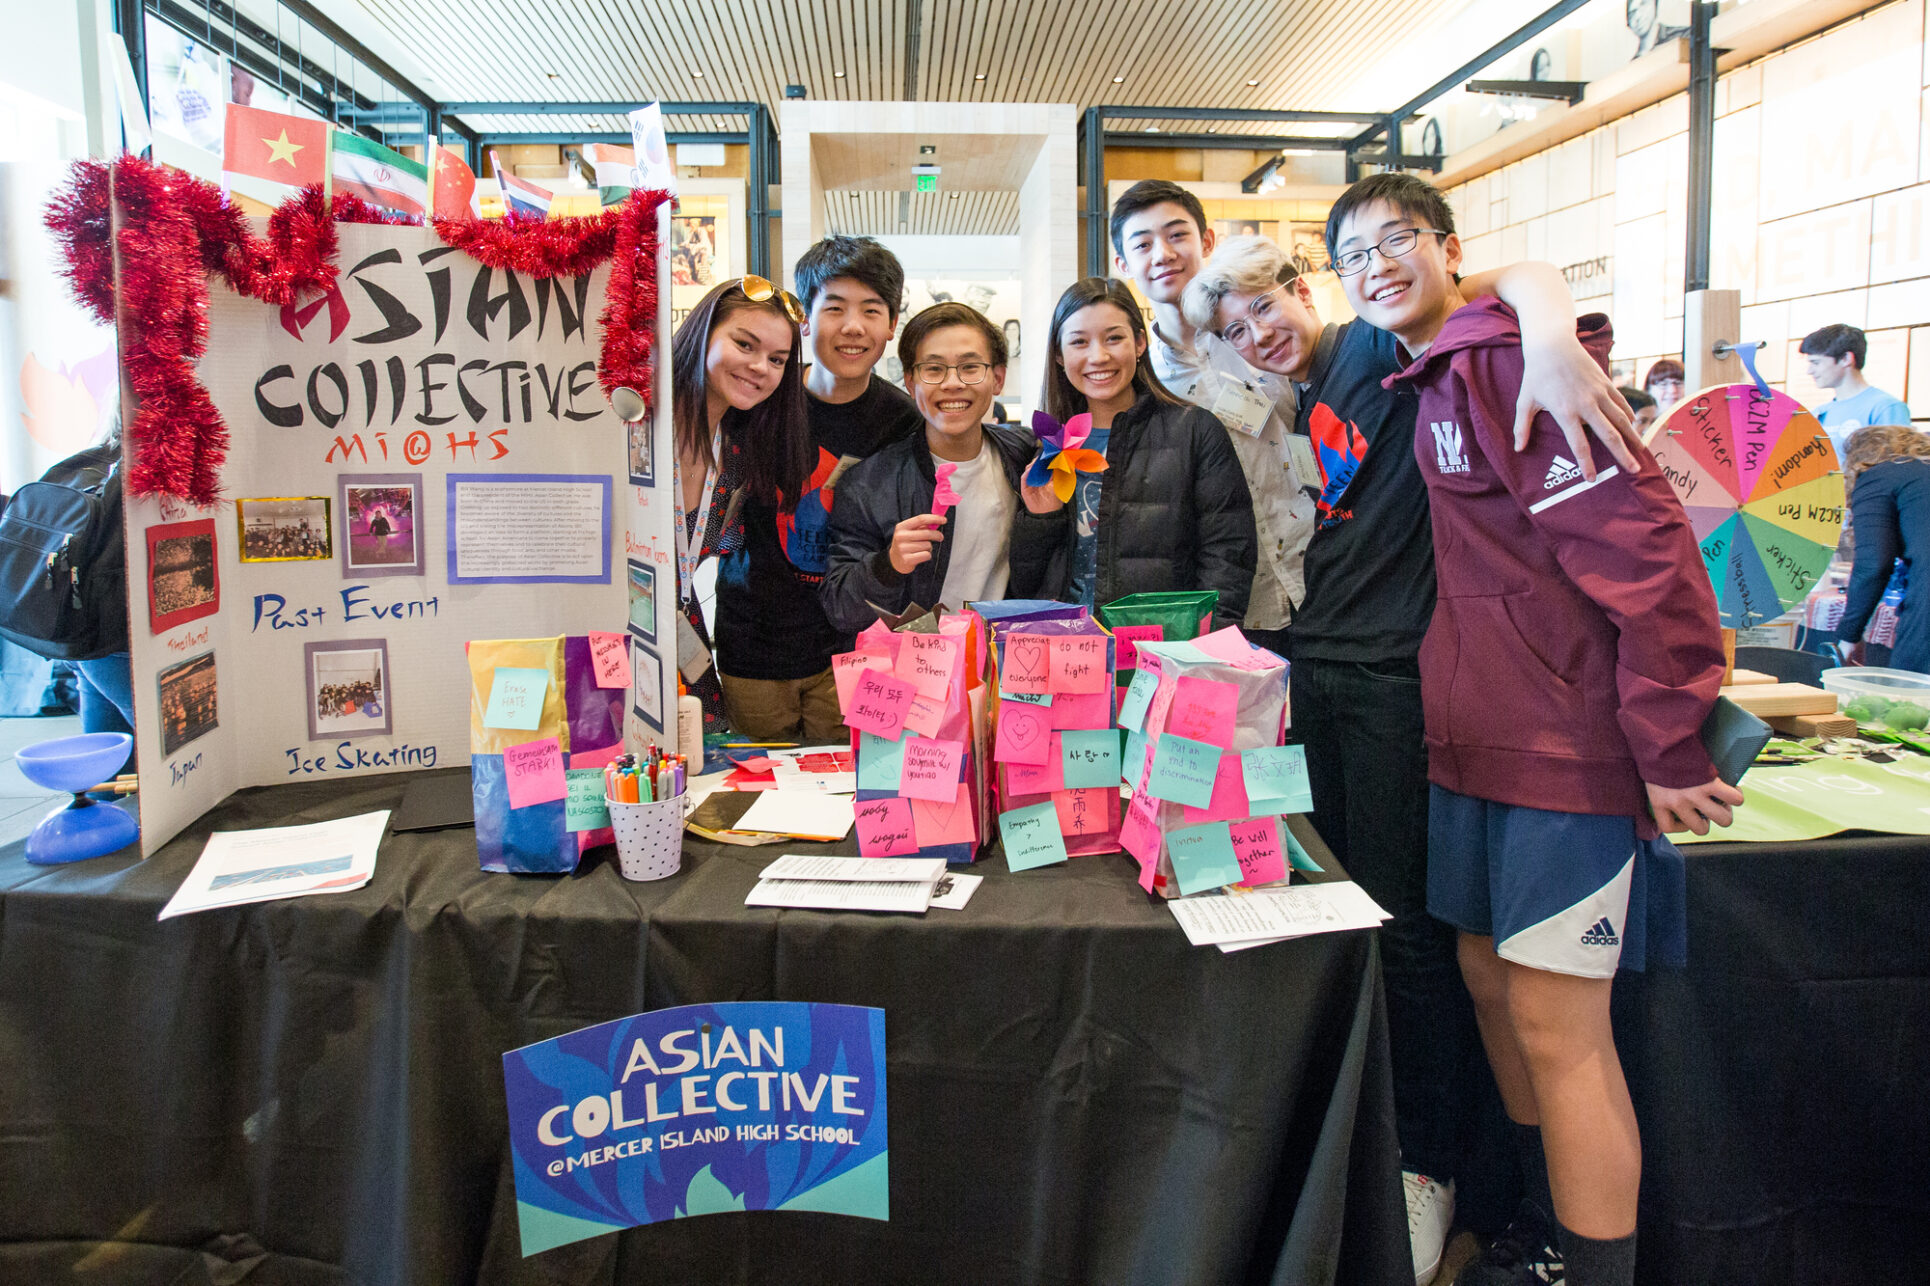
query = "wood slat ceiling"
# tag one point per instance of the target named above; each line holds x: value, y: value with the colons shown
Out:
x: 922, y: 213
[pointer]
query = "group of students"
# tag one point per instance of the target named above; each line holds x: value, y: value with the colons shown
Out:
x: 1501, y: 653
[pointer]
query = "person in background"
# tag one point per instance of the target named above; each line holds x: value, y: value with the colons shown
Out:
x: 742, y: 435
x: 1160, y: 237
x: 774, y: 641
x: 888, y: 549
x: 1836, y: 354
x: 1646, y: 411
x: 1887, y: 470
x: 1665, y: 383
x: 1171, y: 510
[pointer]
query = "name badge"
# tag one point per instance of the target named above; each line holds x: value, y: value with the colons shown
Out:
x: 1306, y: 469
x: 1242, y: 409
x: 693, y: 658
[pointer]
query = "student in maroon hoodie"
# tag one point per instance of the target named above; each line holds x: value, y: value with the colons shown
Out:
x: 1573, y: 655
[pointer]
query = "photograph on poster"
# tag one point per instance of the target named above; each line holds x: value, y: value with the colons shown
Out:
x: 183, y: 583
x: 643, y: 454
x: 187, y: 701
x: 643, y: 600
x: 380, y: 534
x: 529, y: 528
x: 1268, y: 228
x: 646, y: 683
x: 348, y: 691
x: 693, y: 250
x: 284, y: 529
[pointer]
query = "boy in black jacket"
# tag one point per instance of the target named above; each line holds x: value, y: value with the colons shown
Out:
x: 897, y: 537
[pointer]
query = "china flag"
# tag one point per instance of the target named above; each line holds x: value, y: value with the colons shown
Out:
x: 454, y: 186
x: 291, y: 150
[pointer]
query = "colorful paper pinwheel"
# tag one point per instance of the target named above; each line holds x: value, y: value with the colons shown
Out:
x: 1061, y: 456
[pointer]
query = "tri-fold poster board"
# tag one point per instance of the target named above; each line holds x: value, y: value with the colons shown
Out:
x: 422, y: 458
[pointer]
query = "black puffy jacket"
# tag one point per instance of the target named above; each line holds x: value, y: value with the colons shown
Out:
x: 893, y: 485
x: 1174, y: 513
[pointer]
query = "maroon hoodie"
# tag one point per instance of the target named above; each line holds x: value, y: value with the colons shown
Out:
x: 1575, y: 648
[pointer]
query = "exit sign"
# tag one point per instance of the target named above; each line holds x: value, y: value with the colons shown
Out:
x: 927, y: 182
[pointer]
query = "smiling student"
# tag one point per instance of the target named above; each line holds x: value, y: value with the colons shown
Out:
x: 774, y: 641
x: 738, y: 420
x: 1171, y: 510
x: 888, y: 549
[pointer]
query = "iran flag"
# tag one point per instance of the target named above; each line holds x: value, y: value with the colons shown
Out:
x: 379, y: 175
x: 290, y: 151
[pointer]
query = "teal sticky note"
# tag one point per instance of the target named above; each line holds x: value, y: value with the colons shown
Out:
x: 1298, y: 856
x: 583, y: 805
x: 1132, y: 709
x: 1203, y: 857
x: 1091, y: 757
x: 1177, y: 650
x: 1276, y: 779
x: 1029, y: 698
x: 1032, y: 836
x: 1135, y: 761
x: 516, y: 697
x: 1183, y: 770
x: 881, y: 763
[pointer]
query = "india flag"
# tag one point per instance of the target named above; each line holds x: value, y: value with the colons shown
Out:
x: 379, y: 175
x: 614, y: 165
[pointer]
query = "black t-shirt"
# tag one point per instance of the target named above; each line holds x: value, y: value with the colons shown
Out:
x: 1370, y: 564
x: 769, y: 622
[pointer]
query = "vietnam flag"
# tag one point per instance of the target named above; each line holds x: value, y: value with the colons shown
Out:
x: 289, y: 150
x: 453, y: 186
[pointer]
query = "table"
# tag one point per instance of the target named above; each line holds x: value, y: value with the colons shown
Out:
x: 1779, y: 1080
x: 1077, y: 1094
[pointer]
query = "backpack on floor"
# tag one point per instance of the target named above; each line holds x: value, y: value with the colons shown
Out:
x: 63, y: 560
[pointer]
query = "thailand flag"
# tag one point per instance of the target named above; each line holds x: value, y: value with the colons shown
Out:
x: 520, y: 196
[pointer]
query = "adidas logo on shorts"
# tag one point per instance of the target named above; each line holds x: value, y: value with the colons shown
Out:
x: 1601, y: 934
x: 1561, y: 472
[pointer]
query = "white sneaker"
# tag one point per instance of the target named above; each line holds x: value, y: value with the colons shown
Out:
x: 1430, y: 1217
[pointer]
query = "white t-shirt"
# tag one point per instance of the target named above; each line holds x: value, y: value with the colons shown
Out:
x: 980, y: 530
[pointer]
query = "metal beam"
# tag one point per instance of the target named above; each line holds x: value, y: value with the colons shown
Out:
x: 1226, y: 142
x: 1567, y: 91
x: 758, y: 207
x: 130, y: 19
x: 315, y: 18
x: 604, y: 108
x: 217, y: 25
x: 566, y: 137
x: 1235, y: 114
x: 1702, y: 134
x: 1092, y: 131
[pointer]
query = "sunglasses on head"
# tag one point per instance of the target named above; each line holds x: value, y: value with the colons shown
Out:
x: 759, y: 291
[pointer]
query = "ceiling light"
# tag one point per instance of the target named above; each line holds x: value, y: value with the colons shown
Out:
x: 1252, y: 83
x: 980, y: 76
x: 837, y: 75
x: 1118, y: 80
x: 927, y: 149
x: 699, y: 75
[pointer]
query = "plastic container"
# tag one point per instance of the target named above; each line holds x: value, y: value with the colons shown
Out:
x: 650, y: 837
x: 1871, y: 680
x: 83, y: 829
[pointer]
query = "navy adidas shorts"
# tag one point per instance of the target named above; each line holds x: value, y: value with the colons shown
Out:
x: 1571, y: 893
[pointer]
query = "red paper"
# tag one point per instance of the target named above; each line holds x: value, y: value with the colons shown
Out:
x: 928, y: 661
x: 943, y: 497
x: 931, y: 769
x: 1256, y: 844
x: 879, y: 704
x: 1086, y: 710
x: 610, y: 654
x: 1129, y: 637
x: 1077, y: 664
x: 1084, y: 812
x: 1024, y: 734
x: 1203, y: 710
x: 1229, y: 802
x: 1027, y: 667
x: 885, y: 828
x: 944, y: 823
x: 534, y: 771
x: 1037, y: 779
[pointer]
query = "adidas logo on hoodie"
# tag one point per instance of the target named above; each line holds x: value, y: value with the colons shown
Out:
x: 1560, y: 473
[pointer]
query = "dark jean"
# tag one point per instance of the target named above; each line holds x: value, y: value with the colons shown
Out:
x: 1367, y: 763
x: 107, y: 696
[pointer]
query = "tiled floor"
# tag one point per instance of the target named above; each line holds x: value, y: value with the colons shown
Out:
x: 23, y: 804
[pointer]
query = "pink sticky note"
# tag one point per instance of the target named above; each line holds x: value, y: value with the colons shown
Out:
x: 925, y: 716
x: 1139, y: 833
x: 1027, y: 665
x: 610, y: 654
x: 534, y: 771
x: 1203, y: 710
x: 1256, y: 844
x: 1084, y: 812
x: 1129, y: 637
x: 1037, y: 779
x: 595, y: 758
x: 879, y: 704
x: 1086, y: 710
x: 1229, y: 801
x: 847, y: 666
x: 928, y: 662
x: 931, y: 769
x: 1025, y: 734
x: 885, y: 828
x: 1230, y: 645
x: 938, y: 823
x: 942, y: 496
x: 1077, y: 664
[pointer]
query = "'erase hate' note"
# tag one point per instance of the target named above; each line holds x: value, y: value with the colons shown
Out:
x: 1184, y: 770
x: 516, y: 697
x: 1032, y: 837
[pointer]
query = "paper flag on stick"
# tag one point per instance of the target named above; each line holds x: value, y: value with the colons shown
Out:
x: 942, y: 496
x: 1061, y: 457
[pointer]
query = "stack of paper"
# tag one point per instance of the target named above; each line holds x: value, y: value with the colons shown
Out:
x: 282, y: 862
x: 1235, y: 921
x: 860, y: 884
x: 801, y: 814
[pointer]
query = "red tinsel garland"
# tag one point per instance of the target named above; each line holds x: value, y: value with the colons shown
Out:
x: 176, y: 230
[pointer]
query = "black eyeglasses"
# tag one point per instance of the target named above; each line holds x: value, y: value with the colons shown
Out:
x: 935, y: 372
x: 1392, y: 246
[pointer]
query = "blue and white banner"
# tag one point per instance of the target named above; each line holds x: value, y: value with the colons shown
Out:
x: 698, y: 1110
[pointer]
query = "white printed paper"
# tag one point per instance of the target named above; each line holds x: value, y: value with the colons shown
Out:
x: 842, y: 895
x: 1274, y: 914
x: 804, y: 866
x: 529, y: 530
x: 238, y: 867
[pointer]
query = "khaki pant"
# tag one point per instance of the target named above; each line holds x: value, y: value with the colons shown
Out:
x: 801, y: 710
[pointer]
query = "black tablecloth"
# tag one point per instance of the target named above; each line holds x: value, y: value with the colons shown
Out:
x: 1780, y: 1080
x: 314, y: 1087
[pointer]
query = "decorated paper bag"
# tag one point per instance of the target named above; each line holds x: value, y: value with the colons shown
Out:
x: 1055, y: 750
x: 1165, y: 615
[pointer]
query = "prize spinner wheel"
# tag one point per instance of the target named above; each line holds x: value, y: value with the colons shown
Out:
x: 1764, y: 494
